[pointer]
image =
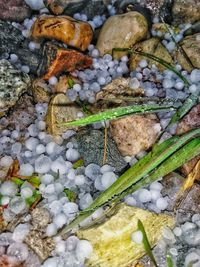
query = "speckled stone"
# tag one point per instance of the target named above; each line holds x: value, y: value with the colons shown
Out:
x: 13, y: 84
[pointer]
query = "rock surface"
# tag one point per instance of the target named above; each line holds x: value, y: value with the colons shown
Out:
x: 184, y: 11
x: 13, y: 84
x: 111, y: 240
x: 74, y: 33
x: 13, y: 42
x: 14, y: 10
x: 191, y: 46
x: 154, y: 47
x: 122, y: 31
x: 56, y: 59
x: 60, y: 110
x: 91, y: 148
x: 135, y: 133
x: 190, y: 121
x: 40, y: 91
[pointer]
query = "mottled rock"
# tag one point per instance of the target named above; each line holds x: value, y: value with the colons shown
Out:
x: 40, y: 217
x: 111, y: 240
x: 135, y: 133
x: 190, y: 121
x: 40, y: 91
x: 90, y: 8
x: 191, y: 46
x: 56, y: 59
x: 14, y: 10
x: 35, y: 5
x: 21, y: 116
x: 13, y: 84
x: 91, y: 148
x: 40, y: 245
x: 60, y: 110
x: 154, y: 47
x: 122, y: 31
x: 74, y: 33
x: 184, y: 11
x: 13, y: 42
x: 118, y: 90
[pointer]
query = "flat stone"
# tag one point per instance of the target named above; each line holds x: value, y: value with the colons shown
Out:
x: 13, y: 84
x: 184, y: 11
x: 91, y: 148
x: 14, y: 10
x: 74, y: 33
x: 122, y: 31
x: 135, y: 133
x: 154, y: 47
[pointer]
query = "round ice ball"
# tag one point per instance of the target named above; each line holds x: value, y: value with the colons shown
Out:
x: 137, y: 237
x: 83, y: 249
x: 108, y: 178
x: 8, y: 188
x: 35, y: 5
x: 26, y: 169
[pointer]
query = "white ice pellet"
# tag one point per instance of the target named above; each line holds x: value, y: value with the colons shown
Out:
x: 167, y: 83
x: 129, y: 200
x: 177, y: 231
x: 79, y: 180
x: 6, y: 161
x: 156, y: 186
x: 162, y: 203
x: 59, y: 166
x: 40, y: 149
x: 192, y: 259
x: 51, y: 262
x: 50, y: 189
x: 108, y: 178
x: 83, y: 249
x: 13, y: 58
x: 53, y: 80
x: 51, y: 229
x: 188, y: 226
x: 195, y: 76
x: 72, y: 154
x: 193, y: 89
x: 179, y: 85
x: 16, y: 148
x: 17, y: 205
x: 71, y: 243
x: 134, y: 83
x: 35, y: 5
x: 106, y: 168
x: 155, y: 194
x: 47, y: 179
x: 195, y: 217
x: 8, y: 188
x: 41, y: 125
x: 51, y: 148
x: 31, y: 143
x: 60, y: 247
x: 85, y: 201
x: 20, y: 232
x: 26, y: 192
x: 92, y: 171
x: 60, y: 220
x: 26, y: 169
x: 168, y: 235
x: 137, y: 237
x: 144, y: 195
x: 77, y: 87
x: 42, y: 164
x: 70, y: 209
x: 25, y: 69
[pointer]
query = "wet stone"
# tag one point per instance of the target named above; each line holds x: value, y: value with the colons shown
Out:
x: 13, y: 84
x: 91, y: 148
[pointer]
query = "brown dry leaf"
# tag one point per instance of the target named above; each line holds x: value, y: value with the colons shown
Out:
x: 194, y: 175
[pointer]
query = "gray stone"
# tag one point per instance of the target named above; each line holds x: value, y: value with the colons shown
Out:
x: 91, y: 148
x: 13, y: 84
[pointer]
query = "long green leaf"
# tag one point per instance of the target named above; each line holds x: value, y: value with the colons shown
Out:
x: 152, y: 57
x: 118, y: 112
x: 169, y: 261
x: 146, y: 243
x: 132, y: 180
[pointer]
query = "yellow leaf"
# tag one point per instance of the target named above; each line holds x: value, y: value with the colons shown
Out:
x: 194, y: 175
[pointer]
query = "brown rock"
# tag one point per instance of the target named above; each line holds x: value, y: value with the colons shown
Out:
x: 135, y: 133
x: 60, y: 110
x: 40, y: 217
x: 154, y: 47
x: 41, y: 246
x: 56, y: 60
x: 189, y: 122
x: 118, y: 89
x: 65, y: 29
x: 184, y: 11
x: 122, y: 31
x: 191, y: 46
x: 14, y: 10
x: 40, y: 91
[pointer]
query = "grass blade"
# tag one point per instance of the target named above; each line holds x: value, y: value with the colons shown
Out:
x: 166, y: 157
x: 157, y: 59
x: 146, y: 243
x: 118, y: 112
x: 169, y: 261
